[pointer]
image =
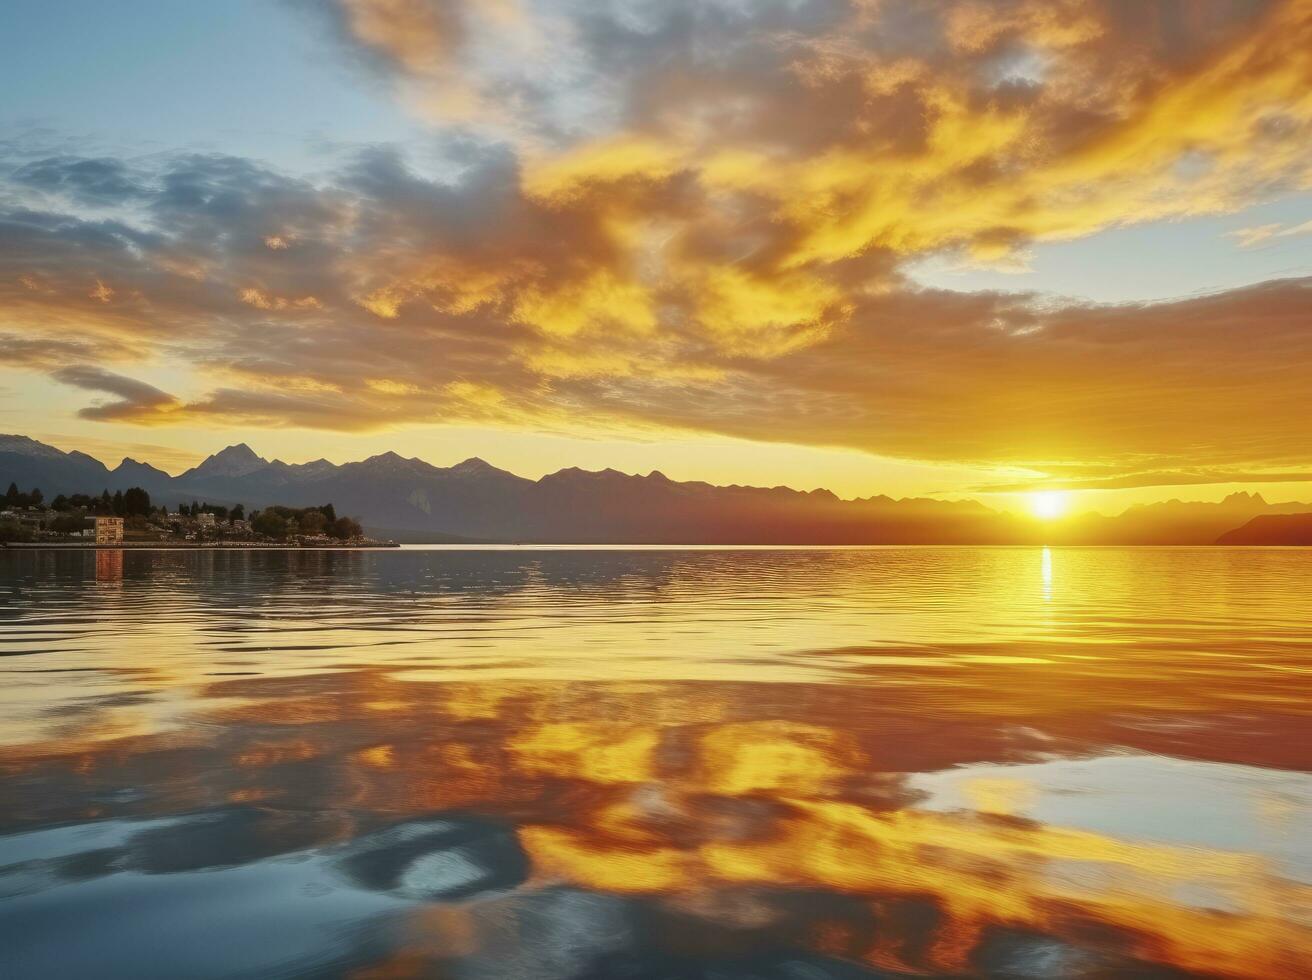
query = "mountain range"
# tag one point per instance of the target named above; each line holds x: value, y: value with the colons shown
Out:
x: 1268, y: 529
x: 411, y: 500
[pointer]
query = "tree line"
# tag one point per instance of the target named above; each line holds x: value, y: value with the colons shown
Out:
x: 14, y: 498
x: 133, y: 502
x: 281, y: 522
x: 276, y: 522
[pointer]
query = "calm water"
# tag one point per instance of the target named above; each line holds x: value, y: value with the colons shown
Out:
x: 792, y: 764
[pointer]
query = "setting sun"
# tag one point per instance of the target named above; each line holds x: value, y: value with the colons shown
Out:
x: 1048, y: 505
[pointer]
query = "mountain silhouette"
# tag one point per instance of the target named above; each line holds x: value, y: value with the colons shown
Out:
x: 1169, y: 522
x: 412, y: 500
x: 1272, y: 529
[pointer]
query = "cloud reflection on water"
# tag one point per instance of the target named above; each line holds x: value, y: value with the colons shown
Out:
x: 1032, y: 789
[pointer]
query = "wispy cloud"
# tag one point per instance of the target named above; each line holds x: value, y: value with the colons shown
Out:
x: 1248, y: 237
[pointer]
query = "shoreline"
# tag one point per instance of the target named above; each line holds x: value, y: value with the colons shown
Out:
x: 603, y: 546
x: 188, y: 546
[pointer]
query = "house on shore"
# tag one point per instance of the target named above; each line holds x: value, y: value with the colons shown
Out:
x: 109, y: 530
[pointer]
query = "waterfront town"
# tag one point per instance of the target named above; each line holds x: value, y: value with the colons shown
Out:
x: 129, y: 517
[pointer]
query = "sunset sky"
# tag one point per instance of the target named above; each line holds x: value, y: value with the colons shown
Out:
x: 969, y: 248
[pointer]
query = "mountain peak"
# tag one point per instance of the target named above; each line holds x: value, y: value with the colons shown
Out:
x: 25, y: 446
x: 238, y: 451
x: 1243, y: 497
x: 12, y: 442
x: 477, y: 468
x: 391, y: 462
x: 238, y: 460
x: 128, y: 464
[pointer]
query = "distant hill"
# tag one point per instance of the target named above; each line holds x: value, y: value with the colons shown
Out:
x: 411, y: 500
x: 1169, y: 522
x: 1272, y: 529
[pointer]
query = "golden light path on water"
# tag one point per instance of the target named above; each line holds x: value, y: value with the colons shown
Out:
x: 658, y: 762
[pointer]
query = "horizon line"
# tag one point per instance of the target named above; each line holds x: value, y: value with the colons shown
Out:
x: 971, y: 495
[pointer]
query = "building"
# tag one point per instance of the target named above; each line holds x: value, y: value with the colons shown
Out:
x: 109, y: 530
x: 205, y: 520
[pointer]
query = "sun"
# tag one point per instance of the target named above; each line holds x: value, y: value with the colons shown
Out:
x: 1048, y: 505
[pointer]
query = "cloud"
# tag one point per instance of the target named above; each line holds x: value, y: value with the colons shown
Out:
x: 860, y: 126
x: 696, y: 216
x: 494, y: 322
x: 97, y: 181
x: 1216, y: 381
x: 1248, y: 237
x: 136, y: 400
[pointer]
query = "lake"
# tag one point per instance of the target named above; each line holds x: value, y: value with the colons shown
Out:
x: 656, y: 763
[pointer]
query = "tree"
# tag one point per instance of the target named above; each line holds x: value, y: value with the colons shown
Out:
x: 238, y: 512
x: 14, y: 531
x: 346, y: 527
x: 136, y: 502
x: 106, y: 505
x: 312, y: 522
x: 329, y: 513
x: 270, y: 524
x: 118, y: 503
x: 11, y: 495
x: 60, y: 503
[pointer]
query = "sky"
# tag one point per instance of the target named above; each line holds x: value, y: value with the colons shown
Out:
x: 960, y: 248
